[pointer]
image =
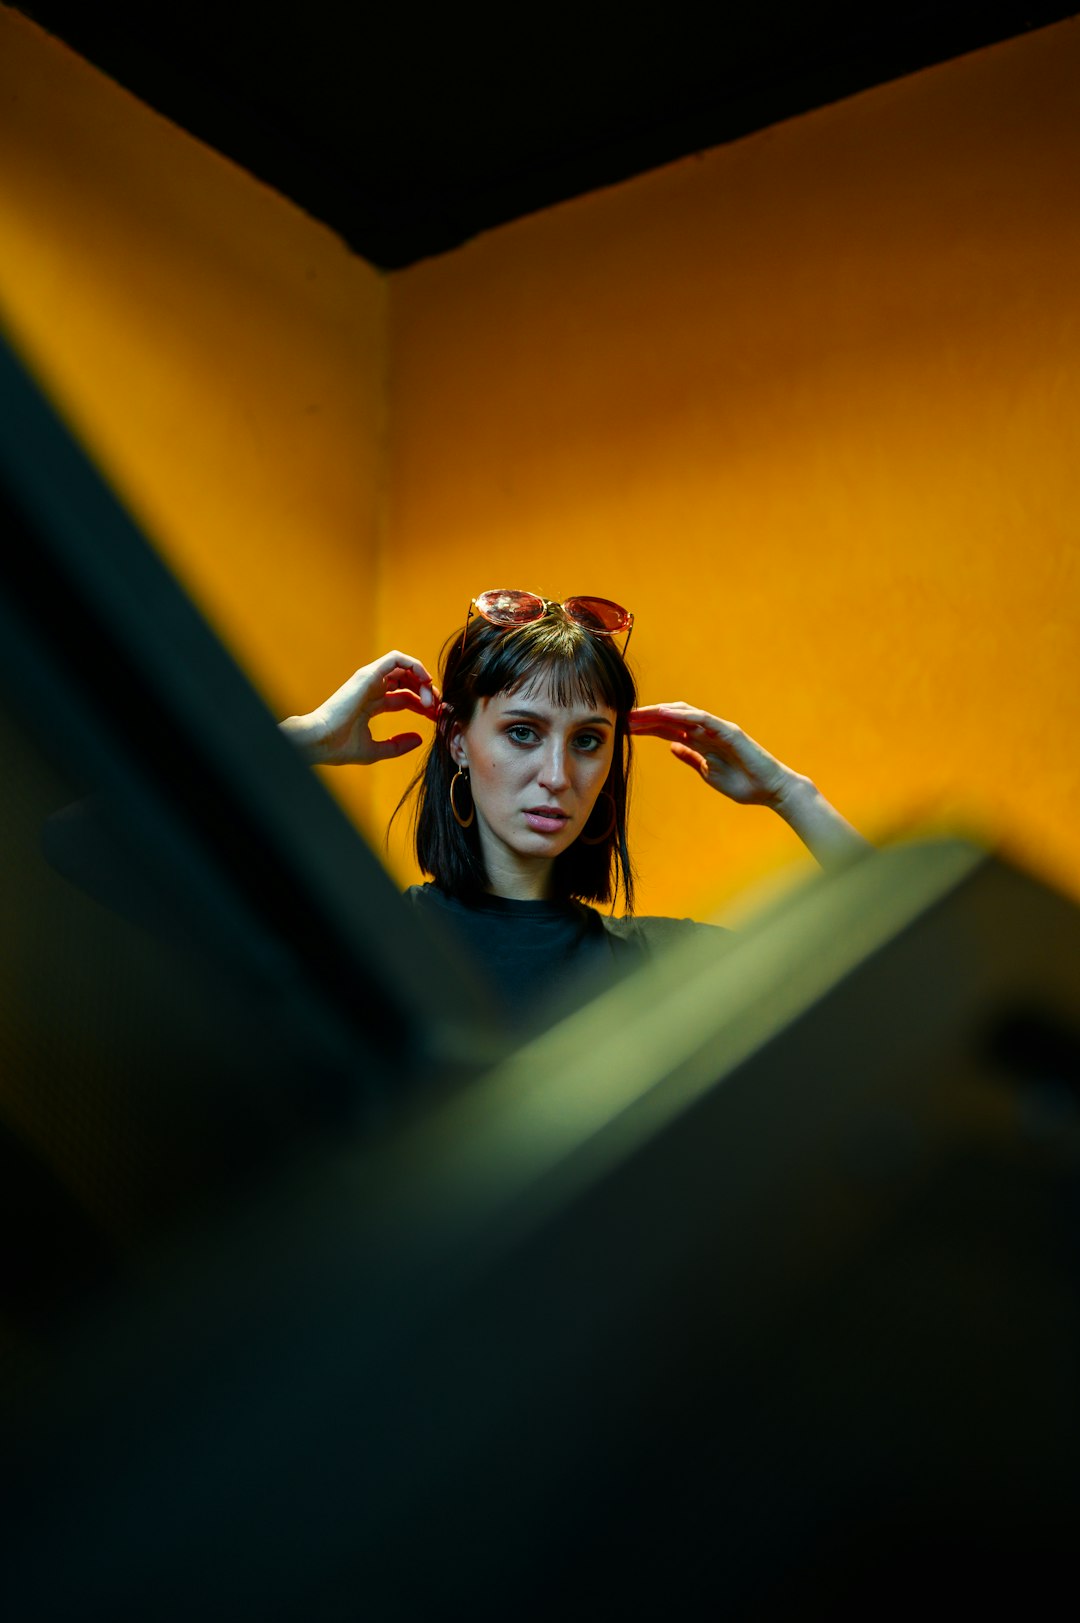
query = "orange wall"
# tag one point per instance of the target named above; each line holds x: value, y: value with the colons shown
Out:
x: 808, y: 404
x: 220, y: 352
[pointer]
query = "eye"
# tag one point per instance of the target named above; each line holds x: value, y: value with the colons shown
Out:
x: 521, y: 733
x: 588, y: 742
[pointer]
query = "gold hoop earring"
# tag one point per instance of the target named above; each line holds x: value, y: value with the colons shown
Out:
x: 462, y: 822
x: 601, y: 839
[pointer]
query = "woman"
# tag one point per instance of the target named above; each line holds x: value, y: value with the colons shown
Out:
x: 522, y: 798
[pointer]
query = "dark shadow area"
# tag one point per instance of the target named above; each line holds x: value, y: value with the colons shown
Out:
x: 747, y: 1289
x: 409, y: 132
x: 204, y: 967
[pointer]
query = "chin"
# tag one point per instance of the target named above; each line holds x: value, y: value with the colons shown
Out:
x: 544, y: 845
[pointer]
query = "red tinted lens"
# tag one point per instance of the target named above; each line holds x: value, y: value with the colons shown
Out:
x: 504, y: 608
x: 597, y: 614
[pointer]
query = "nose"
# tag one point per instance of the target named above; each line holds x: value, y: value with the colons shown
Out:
x: 553, y: 767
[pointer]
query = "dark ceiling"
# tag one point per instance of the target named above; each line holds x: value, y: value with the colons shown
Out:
x: 410, y: 130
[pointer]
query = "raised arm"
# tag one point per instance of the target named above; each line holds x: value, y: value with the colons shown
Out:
x: 338, y: 733
x: 734, y: 764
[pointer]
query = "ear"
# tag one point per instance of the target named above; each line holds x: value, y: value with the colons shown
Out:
x: 459, y: 749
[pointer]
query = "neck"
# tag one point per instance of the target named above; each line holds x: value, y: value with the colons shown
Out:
x: 519, y: 879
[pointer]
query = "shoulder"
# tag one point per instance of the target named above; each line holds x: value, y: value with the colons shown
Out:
x: 654, y: 934
x: 429, y: 898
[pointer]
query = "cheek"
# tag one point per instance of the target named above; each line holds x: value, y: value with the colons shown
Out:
x: 600, y: 763
x: 494, y: 769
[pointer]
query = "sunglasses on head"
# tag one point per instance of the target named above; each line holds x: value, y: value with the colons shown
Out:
x: 515, y: 609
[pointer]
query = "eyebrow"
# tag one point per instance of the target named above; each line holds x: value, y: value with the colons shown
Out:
x: 538, y: 715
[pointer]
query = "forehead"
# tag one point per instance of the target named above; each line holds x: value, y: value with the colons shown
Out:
x: 537, y: 697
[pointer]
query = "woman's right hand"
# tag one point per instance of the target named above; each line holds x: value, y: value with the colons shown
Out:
x: 338, y: 733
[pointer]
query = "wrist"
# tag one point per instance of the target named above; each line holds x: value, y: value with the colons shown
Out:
x: 828, y: 837
x: 308, y: 734
x: 794, y: 797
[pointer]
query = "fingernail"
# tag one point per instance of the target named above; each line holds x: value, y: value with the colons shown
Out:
x: 425, y: 696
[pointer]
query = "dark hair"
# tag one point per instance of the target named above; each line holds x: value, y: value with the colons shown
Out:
x: 580, y: 667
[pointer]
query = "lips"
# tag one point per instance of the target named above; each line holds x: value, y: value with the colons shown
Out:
x: 546, y: 819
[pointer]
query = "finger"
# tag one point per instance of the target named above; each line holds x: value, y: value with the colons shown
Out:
x: 645, y: 715
x: 406, y: 667
x: 688, y: 718
x: 673, y: 735
x: 676, y: 720
x: 683, y: 752
x: 700, y: 720
x: 399, y: 684
x: 387, y: 749
x: 678, y: 734
x: 403, y: 699
x: 403, y: 676
x: 649, y: 721
x: 672, y: 707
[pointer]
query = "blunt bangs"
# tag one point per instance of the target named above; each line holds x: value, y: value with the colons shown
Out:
x: 555, y: 657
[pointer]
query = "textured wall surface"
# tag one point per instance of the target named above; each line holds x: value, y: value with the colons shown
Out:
x: 810, y: 405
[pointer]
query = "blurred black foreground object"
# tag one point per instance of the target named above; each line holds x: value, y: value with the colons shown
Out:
x: 749, y: 1290
x: 204, y: 964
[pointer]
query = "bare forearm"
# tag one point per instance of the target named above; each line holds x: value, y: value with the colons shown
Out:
x: 829, y: 838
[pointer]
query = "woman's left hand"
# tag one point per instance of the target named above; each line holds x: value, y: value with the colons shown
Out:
x: 726, y: 757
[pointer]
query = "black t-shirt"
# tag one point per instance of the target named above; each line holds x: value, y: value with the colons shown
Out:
x: 545, y: 955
